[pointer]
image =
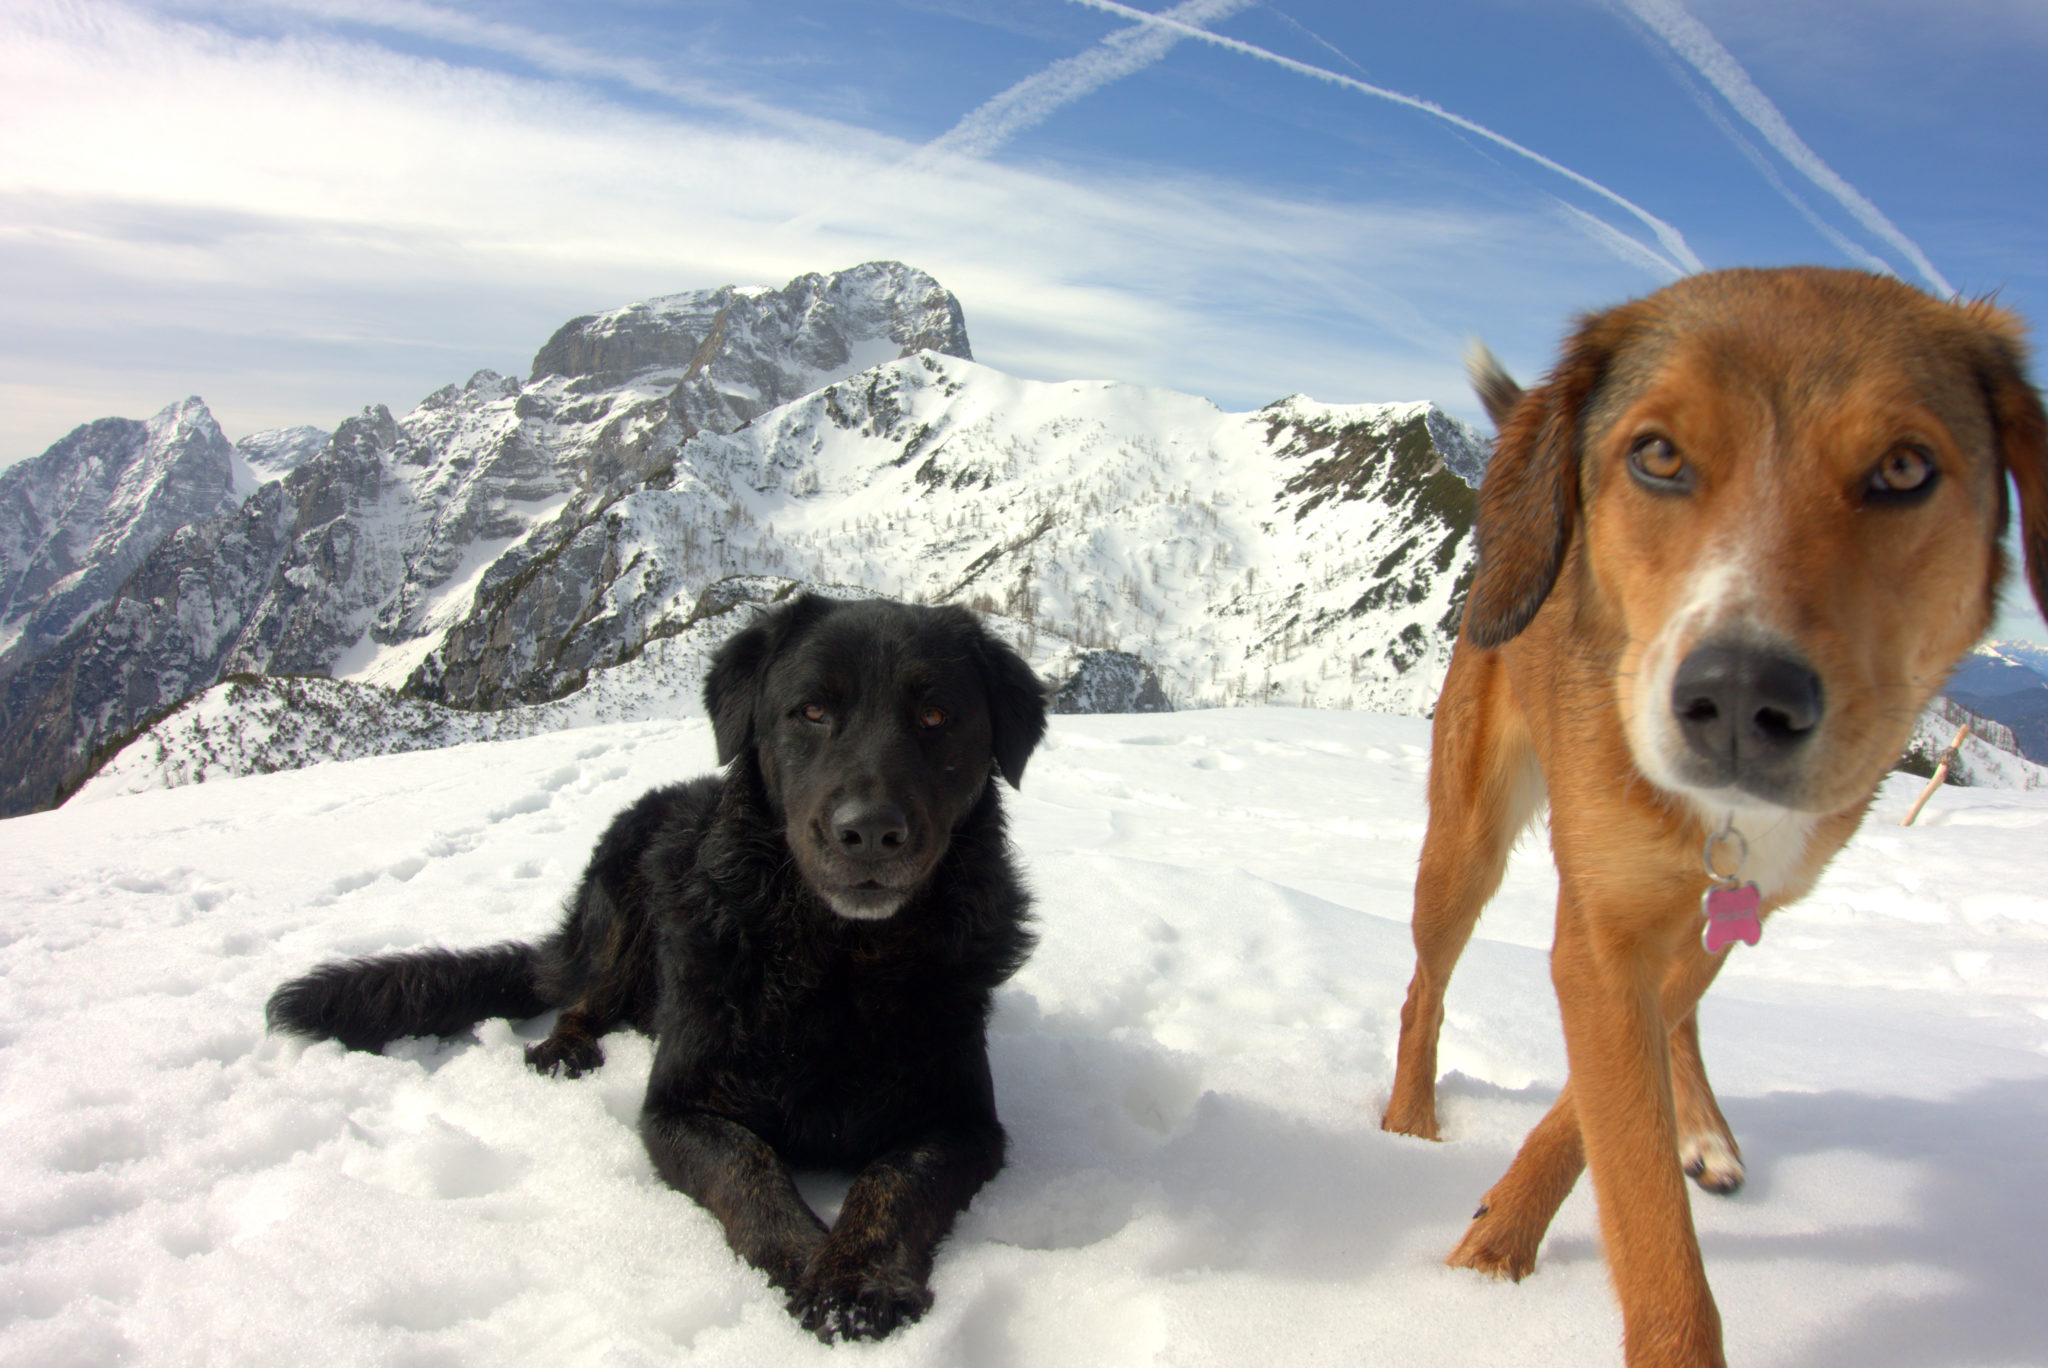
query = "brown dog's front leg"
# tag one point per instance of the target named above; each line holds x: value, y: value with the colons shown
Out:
x: 1510, y: 1224
x: 1706, y: 1146
x: 736, y: 1176
x: 1609, y: 984
x: 870, y: 1274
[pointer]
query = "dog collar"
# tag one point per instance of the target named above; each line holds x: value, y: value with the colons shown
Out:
x: 1731, y: 907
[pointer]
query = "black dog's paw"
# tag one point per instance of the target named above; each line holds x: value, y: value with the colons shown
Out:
x: 572, y: 1055
x: 857, y: 1304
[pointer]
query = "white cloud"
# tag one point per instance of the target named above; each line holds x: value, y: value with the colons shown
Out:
x: 294, y: 226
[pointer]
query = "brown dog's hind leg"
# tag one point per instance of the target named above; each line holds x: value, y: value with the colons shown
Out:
x: 1515, y: 1215
x: 1706, y: 1147
x: 1510, y: 1224
x: 1484, y: 785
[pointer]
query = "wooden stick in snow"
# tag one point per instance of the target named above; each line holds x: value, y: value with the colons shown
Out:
x: 1940, y: 773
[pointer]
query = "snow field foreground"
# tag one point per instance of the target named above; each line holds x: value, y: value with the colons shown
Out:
x: 1191, y: 1069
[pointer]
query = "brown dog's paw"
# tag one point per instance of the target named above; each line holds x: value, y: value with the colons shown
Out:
x: 571, y: 1055
x: 856, y: 1304
x: 1492, y: 1248
x: 1409, y: 1119
x: 1712, y: 1161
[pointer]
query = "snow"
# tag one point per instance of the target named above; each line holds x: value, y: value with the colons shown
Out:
x: 1191, y: 1069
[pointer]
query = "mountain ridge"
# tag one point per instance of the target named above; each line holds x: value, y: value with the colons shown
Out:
x: 508, y: 539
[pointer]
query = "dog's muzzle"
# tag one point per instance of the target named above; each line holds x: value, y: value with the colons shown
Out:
x: 870, y: 854
x: 1747, y: 713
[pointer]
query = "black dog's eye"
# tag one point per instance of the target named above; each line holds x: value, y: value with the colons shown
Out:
x: 1906, y: 475
x: 1656, y: 464
x: 932, y: 715
x: 813, y: 712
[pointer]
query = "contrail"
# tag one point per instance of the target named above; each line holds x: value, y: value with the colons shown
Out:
x: 1844, y: 244
x: 1674, y: 242
x: 1036, y: 98
x: 1690, y: 39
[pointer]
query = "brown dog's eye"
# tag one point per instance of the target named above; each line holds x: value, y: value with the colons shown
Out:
x: 1656, y: 463
x: 813, y: 712
x: 1905, y: 475
x: 931, y: 715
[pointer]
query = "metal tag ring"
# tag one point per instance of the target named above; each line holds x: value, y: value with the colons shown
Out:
x: 1726, y: 834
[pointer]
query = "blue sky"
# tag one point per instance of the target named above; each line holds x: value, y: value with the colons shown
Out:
x: 297, y: 207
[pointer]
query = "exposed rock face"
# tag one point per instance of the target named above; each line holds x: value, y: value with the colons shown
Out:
x: 162, y: 637
x: 78, y: 519
x: 743, y: 352
x: 1111, y: 682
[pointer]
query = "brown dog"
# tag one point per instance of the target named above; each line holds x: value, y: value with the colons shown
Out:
x: 1727, y: 551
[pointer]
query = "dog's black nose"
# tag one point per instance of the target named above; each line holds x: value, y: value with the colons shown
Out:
x: 870, y: 831
x: 1744, y: 709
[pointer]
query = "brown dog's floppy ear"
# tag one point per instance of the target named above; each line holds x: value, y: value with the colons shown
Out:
x: 1529, y: 498
x: 733, y: 683
x: 1016, y: 705
x: 2022, y: 435
x: 1496, y: 389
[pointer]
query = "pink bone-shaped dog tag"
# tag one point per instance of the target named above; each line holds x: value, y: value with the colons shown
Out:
x: 1732, y: 916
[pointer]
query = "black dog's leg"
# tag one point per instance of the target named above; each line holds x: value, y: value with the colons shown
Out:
x: 572, y: 1048
x: 869, y: 1276
x: 734, y: 1174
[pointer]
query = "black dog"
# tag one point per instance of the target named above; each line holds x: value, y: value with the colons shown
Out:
x: 812, y: 939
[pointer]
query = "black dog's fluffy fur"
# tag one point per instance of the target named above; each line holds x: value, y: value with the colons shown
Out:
x: 812, y: 939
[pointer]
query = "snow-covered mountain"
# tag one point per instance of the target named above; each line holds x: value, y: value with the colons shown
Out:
x: 507, y: 539
x: 1989, y: 757
x: 80, y: 518
x: 2007, y: 681
x: 378, y: 538
x: 1304, y: 553
x: 276, y: 453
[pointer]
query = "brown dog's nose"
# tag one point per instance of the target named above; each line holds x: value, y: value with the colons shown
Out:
x: 870, y: 831
x: 1745, y: 711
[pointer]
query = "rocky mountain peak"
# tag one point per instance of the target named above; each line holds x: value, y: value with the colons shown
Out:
x: 78, y: 519
x: 738, y: 352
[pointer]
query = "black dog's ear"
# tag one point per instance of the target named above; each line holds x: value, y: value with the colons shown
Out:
x: 1016, y: 706
x: 732, y: 686
x: 1529, y: 499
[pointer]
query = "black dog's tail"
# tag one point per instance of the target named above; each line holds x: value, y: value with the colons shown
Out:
x: 366, y: 1003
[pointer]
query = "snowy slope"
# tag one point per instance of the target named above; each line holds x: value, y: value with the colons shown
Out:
x: 1305, y: 552
x: 1191, y: 1068
x: 276, y: 452
x: 262, y: 724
